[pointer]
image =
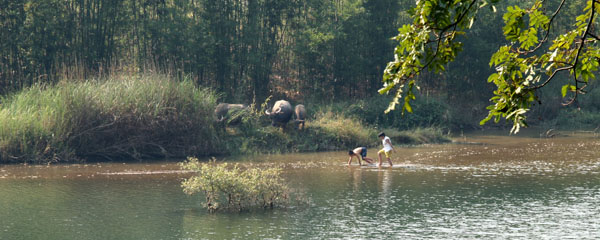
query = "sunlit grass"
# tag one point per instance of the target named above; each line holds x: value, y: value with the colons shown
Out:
x: 125, y: 116
x: 346, y: 131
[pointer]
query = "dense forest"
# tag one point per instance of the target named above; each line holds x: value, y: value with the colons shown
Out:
x: 244, y: 49
x: 320, y: 51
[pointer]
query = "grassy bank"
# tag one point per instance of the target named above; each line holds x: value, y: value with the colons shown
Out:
x: 121, y: 117
x: 327, y: 131
x: 153, y: 116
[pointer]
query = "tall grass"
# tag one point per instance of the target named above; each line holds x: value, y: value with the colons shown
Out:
x: 133, y: 116
x: 342, y: 131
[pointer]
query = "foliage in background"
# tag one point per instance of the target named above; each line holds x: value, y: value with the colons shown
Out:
x: 243, y: 49
x: 429, y: 112
x: 417, y: 136
x: 230, y: 187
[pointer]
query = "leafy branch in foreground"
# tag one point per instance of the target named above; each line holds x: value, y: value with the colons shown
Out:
x: 527, y: 63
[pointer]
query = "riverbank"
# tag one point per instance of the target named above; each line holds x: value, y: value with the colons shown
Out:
x: 123, y: 117
x: 133, y: 117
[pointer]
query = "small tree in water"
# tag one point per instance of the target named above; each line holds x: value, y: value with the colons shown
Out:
x: 227, y: 186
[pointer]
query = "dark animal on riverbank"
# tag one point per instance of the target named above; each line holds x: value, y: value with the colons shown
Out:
x: 227, y: 113
x: 300, y: 116
x: 281, y: 113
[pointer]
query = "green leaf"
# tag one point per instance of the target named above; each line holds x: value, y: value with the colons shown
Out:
x: 407, y: 107
x: 386, y: 88
x: 566, y: 88
x: 486, y: 119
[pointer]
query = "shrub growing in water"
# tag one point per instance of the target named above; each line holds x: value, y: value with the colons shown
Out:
x: 229, y: 187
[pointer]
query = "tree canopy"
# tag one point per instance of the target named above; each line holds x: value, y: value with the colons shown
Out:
x: 245, y: 49
x: 536, y: 51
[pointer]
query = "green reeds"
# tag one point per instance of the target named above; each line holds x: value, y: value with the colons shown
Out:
x: 340, y: 131
x: 133, y: 116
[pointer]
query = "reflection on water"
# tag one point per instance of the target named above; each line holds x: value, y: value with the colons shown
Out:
x: 502, y: 187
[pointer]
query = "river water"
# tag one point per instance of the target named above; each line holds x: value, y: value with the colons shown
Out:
x: 491, y: 187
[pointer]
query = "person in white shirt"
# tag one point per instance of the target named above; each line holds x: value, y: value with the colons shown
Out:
x: 387, y: 148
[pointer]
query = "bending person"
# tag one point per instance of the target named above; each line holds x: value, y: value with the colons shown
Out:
x: 361, y: 154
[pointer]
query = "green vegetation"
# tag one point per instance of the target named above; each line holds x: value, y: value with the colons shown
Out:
x: 328, y: 55
x: 429, y: 112
x: 543, y: 42
x: 122, y: 116
x: 242, y: 49
x: 154, y: 116
x: 327, y: 131
x: 573, y: 119
x: 335, y: 127
x: 233, y: 188
x: 322, y: 53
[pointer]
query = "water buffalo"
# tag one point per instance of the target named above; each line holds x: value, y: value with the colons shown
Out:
x: 281, y: 113
x: 224, y: 112
x: 300, y: 116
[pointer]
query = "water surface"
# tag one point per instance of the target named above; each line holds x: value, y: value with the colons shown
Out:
x: 501, y: 187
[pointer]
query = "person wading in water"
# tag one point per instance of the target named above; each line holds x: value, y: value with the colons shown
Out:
x: 387, y: 148
x: 361, y: 154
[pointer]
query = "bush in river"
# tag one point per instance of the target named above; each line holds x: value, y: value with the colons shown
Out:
x: 229, y: 187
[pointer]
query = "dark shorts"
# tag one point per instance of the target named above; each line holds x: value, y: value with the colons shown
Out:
x: 363, y: 153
